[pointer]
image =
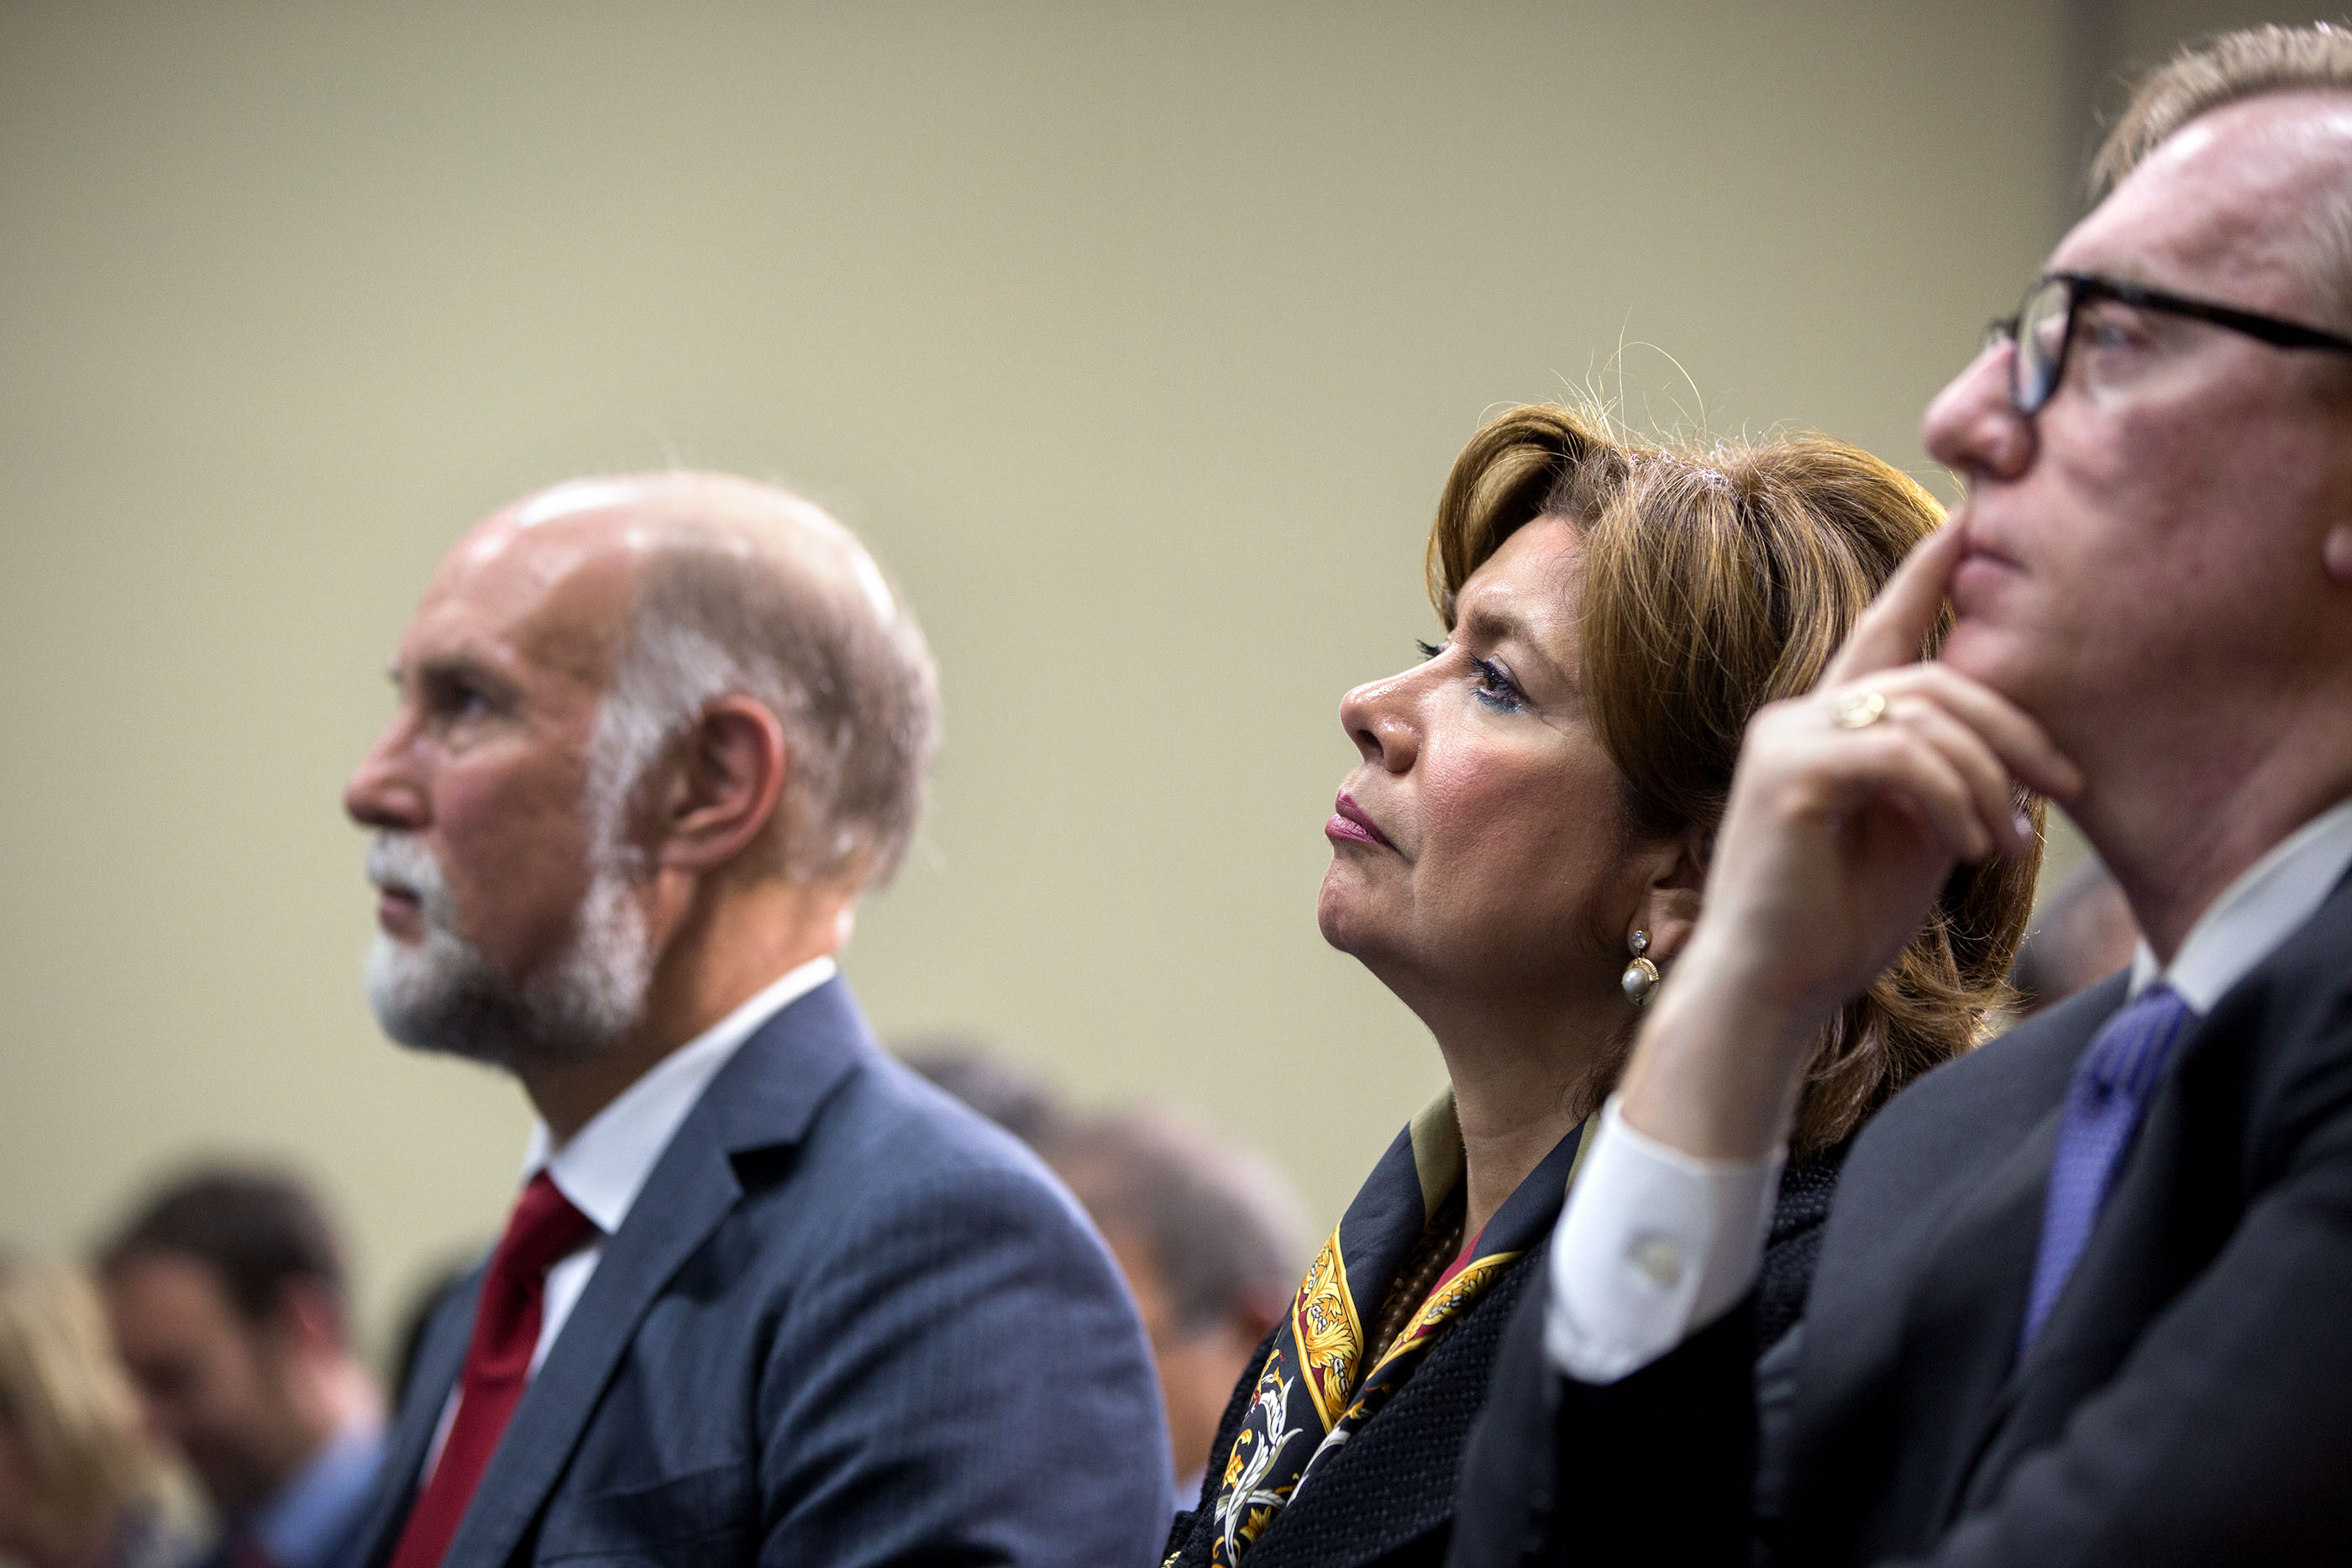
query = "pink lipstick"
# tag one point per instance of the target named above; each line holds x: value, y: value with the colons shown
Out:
x: 1348, y: 823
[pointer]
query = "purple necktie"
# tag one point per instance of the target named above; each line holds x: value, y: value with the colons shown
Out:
x: 2112, y: 1081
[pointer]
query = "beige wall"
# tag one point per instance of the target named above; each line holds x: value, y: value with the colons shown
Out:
x: 1136, y: 341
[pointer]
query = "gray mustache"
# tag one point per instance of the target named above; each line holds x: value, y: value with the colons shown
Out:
x: 397, y: 860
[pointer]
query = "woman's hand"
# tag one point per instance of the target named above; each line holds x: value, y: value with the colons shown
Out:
x: 1848, y: 809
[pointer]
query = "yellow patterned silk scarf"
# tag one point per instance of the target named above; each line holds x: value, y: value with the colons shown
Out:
x: 1314, y: 1392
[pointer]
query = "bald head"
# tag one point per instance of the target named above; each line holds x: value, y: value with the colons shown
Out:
x: 634, y: 714
x: 632, y: 517
x: 671, y: 591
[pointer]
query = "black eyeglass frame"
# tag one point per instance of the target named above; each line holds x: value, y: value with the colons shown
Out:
x: 2090, y: 286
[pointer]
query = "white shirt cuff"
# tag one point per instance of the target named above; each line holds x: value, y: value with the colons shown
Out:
x: 1654, y: 1245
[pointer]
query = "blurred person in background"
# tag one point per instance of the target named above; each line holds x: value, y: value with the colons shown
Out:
x: 229, y: 1301
x: 765, y: 1295
x: 1523, y: 847
x: 1211, y: 1239
x: 984, y: 1079
x: 80, y: 1484
x: 2081, y: 933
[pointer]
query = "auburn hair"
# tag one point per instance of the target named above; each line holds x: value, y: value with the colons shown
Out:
x: 1714, y: 580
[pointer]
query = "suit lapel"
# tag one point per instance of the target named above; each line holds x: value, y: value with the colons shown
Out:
x: 766, y: 1097
x: 1867, y: 1451
x: 1920, y: 1288
x: 691, y: 1190
x: 2174, y: 1201
x: 1969, y: 1308
x: 2177, y: 1197
x: 438, y: 1361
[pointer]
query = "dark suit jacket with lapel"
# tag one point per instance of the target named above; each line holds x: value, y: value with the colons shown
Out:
x: 846, y: 1322
x: 2187, y: 1401
x: 1387, y: 1497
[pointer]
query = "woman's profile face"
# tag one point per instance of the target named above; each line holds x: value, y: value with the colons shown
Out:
x: 1479, y: 846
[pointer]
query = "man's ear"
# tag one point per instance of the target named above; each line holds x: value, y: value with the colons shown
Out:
x: 1678, y: 888
x: 724, y: 786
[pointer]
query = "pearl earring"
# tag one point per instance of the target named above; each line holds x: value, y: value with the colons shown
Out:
x: 1641, y: 975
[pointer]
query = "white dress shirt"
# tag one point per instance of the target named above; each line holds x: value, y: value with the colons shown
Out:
x: 604, y: 1166
x: 1655, y: 1244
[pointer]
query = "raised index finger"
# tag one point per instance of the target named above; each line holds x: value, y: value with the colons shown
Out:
x: 1898, y: 620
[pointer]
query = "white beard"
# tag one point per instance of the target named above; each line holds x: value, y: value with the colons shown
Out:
x: 440, y: 994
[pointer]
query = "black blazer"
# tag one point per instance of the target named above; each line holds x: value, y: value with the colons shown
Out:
x: 845, y: 1322
x: 2187, y: 1401
x: 1387, y: 1497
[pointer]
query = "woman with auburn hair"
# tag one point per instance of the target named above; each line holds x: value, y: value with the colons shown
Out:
x: 1520, y: 851
x: 79, y: 1487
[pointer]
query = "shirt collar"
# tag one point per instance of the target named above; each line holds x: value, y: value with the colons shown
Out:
x: 2259, y: 910
x: 301, y: 1526
x: 607, y: 1162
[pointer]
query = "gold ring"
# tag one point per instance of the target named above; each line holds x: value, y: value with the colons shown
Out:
x: 1859, y: 711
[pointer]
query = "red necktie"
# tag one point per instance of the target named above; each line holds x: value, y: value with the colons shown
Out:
x: 544, y: 1228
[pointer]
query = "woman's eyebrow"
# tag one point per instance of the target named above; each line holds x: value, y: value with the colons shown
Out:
x: 1488, y: 625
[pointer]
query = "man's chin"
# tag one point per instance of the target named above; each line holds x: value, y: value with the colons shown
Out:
x: 1987, y: 653
x: 2010, y: 666
x: 440, y: 997
x: 440, y: 1034
x: 439, y: 992
x: 435, y: 996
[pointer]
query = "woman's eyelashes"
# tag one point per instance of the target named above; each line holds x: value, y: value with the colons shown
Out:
x: 1495, y: 686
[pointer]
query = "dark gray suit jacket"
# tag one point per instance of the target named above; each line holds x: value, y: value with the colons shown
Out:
x: 2189, y: 1400
x: 846, y: 1322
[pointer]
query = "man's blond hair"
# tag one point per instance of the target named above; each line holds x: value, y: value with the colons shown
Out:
x: 2231, y: 68
x: 2211, y: 73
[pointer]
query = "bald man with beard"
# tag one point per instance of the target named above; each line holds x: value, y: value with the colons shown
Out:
x: 764, y: 1295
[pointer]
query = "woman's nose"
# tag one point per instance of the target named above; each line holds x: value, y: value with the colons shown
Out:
x: 1378, y: 717
x: 1972, y: 427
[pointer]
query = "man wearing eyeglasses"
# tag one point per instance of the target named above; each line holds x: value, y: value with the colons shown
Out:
x: 2086, y: 1296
